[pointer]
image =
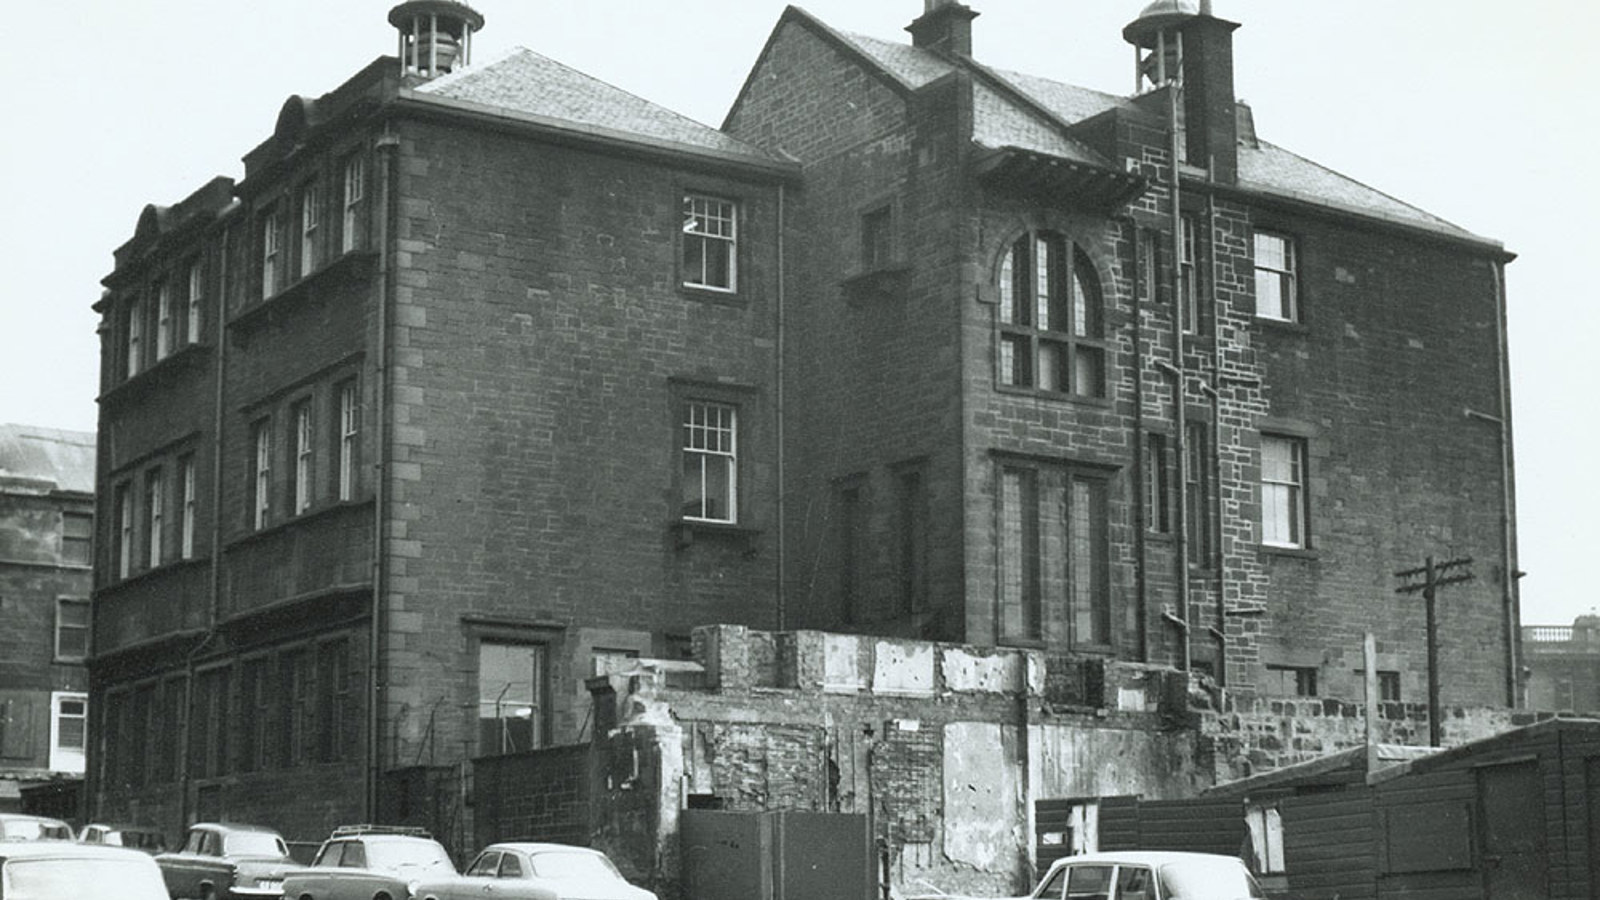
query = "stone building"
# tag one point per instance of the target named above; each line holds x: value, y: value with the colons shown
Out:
x: 46, y: 528
x: 1115, y: 375
x: 1562, y: 665
x: 487, y: 378
x: 460, y: 395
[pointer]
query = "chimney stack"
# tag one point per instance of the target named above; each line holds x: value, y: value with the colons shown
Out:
x: 435, y: 36
x: 945, y: 26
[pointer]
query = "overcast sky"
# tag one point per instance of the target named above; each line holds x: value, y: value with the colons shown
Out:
x: 1476, y: 111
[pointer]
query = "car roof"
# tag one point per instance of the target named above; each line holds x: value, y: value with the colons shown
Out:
x: 382, y: 838
x: 541, y: 847
x: 65, y: 850
x: 1142, y: 857
x: 233, y: 826
x: 25, y: 817
x: 120, y: 826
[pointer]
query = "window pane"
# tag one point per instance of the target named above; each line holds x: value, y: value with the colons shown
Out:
x: 1088, y: 378
x: 1089, y: 881
x: 1269, y: 295
x: 719, y: 271
x: 1091, y: 611
x: 1043, y: 264
x: 1016, y: 360
x: 718, y: 502
x: 1019, y: 553
x: 1052, y: 366
x: 1008, y: 287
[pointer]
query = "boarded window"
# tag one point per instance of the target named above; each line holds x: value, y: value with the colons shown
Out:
x: 1425, y: 837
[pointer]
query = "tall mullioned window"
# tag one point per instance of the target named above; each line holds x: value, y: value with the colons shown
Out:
x: 261, y: 474
x: 187, y: 508
x: 349, y: 424
x: 710, y: 243
x: 122, y: 505
x: 1054, y: 555
x: 355, y: 192
x: 1188, y: 278
x: 710, y: 462
x: 133, y: 337
x: 197, y: 287
x: 164, y: 320
x: 1051, y: 330
x: 1197, y: 480
x: 310, y: 222
x: 271, y: 254
x: 1157, y: 484
x: 302, y: 457
x: 153, y: 490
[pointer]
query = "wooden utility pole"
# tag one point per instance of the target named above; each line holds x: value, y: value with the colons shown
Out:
x: 1434, y: 576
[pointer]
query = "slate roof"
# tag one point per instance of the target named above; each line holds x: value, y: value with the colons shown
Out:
x: 45, y: 459
x: 1003, y: 121
x: 522, y: 81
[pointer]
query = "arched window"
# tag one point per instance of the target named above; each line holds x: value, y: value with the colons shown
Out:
x: 1052, y: 329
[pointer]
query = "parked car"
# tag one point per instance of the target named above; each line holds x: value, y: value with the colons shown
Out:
x: 221, y: 861
x: 369, y: 862
x: 50, y: 870
x: 1147, y: 875
x: 137, y: 837
x: 19, y: 827
x: 529, y: 871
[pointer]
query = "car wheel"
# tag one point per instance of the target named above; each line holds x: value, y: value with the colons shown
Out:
x: 208, y: 892
x: 381, y: 897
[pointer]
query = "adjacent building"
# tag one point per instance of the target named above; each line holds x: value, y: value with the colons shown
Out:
x: 46, y: 534
x: 1562, y: 665
x: 1118, y: 376
x: 487, y: 378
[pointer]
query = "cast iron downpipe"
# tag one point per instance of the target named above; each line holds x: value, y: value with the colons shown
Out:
x: 387, y: 145
x: 1176, y: 370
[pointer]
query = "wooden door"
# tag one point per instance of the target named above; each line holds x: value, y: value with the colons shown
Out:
x: 1511, y: 803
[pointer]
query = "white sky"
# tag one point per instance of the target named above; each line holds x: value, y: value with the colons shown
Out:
x: 1477, y: 111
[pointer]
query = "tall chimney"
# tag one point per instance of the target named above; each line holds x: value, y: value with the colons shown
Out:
x: 945, y: 26
x: 1213, y: 122
x: 435, y: 36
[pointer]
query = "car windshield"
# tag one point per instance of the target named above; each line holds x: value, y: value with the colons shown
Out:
x: 1223, y: 879
x: 82, y: 879
x: 408, y: 854
x: 561, y: 864
x: 254, y: 843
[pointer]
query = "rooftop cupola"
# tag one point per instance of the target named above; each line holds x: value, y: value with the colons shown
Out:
x: 1179, y: 44
x: 1157, y: 39
x: 945, y: 26
x: 435, y: 36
